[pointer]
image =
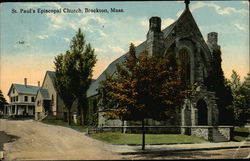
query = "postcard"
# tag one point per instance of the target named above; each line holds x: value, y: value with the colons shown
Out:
x: 124, y: 80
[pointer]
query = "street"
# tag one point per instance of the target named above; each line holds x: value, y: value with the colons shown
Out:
x: 32, y: 140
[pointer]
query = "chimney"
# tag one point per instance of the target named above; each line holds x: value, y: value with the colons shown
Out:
x: 155, y: 42
x: 25, y: 81
x: 212, y: 41
x: 38, y: 83
x: 155, y: 24
x: 212, y: 38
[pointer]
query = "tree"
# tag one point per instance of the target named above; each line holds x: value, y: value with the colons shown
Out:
x: 216, y: 82
x: 84, y: 59
x: 143, y: 87
x: 63, y: 69
x: 2, y: 101
x: 241, y: 95
x: 74, y: 72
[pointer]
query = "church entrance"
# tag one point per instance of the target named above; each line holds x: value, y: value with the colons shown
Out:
x: 202, y: 112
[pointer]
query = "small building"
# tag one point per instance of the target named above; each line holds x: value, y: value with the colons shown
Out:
x: 48, y: 102
x: 22, y: 99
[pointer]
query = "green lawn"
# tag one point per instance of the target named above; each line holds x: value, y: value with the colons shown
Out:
x: 65, y: 124
x: 241, y: 134
x: 124, y: 138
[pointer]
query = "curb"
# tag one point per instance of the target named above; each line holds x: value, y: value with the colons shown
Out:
x: 174, y: 150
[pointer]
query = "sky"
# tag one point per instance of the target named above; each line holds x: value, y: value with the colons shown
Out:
x: 29, y: 42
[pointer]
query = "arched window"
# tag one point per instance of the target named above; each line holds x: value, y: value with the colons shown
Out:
x: 184, y: 61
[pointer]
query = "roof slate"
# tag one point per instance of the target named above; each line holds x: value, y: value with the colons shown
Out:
x: 26, y: 89
x: 112, y: 67
x: 44, y: 93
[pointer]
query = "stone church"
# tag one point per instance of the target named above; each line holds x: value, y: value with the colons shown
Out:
x: 199, y: 115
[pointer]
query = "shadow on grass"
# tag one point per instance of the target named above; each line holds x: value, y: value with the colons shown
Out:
x: 173, y: 154
x: 241, y: 134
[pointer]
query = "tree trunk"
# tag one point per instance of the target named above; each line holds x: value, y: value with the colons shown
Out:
x: 84, y: 110
x: 68, y: 116
x: 143, y: 135
x: 82, y: 117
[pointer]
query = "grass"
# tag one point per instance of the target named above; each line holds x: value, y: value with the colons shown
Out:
x: 241, y: 133
x: 65, y: 124
x: 124, y: 138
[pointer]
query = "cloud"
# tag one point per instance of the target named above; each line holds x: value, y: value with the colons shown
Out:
x: 117, y: 50
x: 92, y: 19
x: 103, y: 34
x: 167, y: 22
x: 66, y: 39
x: 220, y: 10
x: 98, y: 50
x: 240, y: 27
x: 56, y: 18
x: 144, y: 22
x: 42, y: 36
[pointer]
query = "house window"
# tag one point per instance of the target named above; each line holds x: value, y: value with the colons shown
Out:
x: 16, y: 98
x: 33, y: 99
x: 38, y: 103
x: 25, y: 98
x: 13, y: 90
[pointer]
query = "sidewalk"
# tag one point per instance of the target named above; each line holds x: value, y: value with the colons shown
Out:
x: 129, y: 150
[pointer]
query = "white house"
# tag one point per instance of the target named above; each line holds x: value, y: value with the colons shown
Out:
x: 22, y: 99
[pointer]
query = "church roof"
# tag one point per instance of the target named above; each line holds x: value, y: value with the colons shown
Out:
x: 112, y: 67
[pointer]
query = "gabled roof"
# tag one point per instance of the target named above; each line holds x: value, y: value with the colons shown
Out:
x: 24, y: 89
x: 44, y: 93
x: 51, y: 74
x: 112, y: 67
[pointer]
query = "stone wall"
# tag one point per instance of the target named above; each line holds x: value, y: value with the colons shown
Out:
x: 201, y: 132
x: 148, y: 129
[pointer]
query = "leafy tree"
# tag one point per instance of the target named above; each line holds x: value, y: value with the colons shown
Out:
x: 2, y: 101
x: 63, y: 69
x: 241, y: 101
x: 74, y: 72
x: 216, y: 82
x: 143, y: 87
x: 84, y: 61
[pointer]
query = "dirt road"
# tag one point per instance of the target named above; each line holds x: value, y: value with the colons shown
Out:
x: 42, y: 141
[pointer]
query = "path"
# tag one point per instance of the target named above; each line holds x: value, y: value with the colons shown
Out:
x: 42, y: 141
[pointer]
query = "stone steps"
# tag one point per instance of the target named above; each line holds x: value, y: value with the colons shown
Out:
x: 218, y: 137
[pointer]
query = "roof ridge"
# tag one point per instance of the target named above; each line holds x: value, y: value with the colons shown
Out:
x: 24, y: 84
